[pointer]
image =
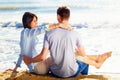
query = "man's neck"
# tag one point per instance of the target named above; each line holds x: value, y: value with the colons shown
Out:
x: 64, y: 22
x: 65, y: 25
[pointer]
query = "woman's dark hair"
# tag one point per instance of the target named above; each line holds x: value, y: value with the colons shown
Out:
x: 27, y: 19
x: 64, y: 12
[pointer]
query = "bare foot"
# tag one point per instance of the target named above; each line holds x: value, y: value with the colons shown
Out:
x: 102, y: 58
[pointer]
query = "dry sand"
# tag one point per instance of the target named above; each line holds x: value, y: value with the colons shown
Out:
x: 25, y: 75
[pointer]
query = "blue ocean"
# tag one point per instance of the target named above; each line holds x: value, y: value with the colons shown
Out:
x: 97, y: 21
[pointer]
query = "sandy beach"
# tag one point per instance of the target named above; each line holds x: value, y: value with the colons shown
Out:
x: 25, y: 75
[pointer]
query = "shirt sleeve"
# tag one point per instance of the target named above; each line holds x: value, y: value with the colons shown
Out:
x: 45, y: 42
x: 19, y: 61
x: 20, y: 58
x: 79, y: 41
x: 39, y: 30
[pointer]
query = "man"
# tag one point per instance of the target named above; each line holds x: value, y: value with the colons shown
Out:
x: 62, y: 45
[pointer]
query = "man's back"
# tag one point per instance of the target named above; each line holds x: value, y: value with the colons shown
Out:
x: 62, y: 44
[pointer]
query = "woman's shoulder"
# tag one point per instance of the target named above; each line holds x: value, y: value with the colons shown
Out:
x: 25, y: 30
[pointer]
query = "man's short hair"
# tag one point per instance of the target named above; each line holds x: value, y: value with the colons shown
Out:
x: 64, y: 12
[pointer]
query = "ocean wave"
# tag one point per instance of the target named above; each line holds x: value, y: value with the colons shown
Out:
x: 12, y: 24
x: 77, y: 26
x: 19, y: 25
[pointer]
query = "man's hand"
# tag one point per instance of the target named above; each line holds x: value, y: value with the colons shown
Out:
x: 26, y: 59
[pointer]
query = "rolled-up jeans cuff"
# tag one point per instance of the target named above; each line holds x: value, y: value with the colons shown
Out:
x: 30, y: 67
x: 17, y: 64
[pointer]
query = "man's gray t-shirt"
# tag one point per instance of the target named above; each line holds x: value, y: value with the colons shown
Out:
x: 62, y: 44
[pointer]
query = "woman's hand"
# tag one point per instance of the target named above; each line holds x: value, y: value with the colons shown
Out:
x: 61, y: 25
x: 27, y: 60
x: 65, y: 26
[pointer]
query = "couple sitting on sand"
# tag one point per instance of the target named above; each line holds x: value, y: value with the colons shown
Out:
x: 67, y: 55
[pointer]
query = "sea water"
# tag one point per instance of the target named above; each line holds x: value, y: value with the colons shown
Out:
x: 96, y: 20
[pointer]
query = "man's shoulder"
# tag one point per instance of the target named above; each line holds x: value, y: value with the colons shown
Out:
x: 50, y: 32
x: 75, y: 31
